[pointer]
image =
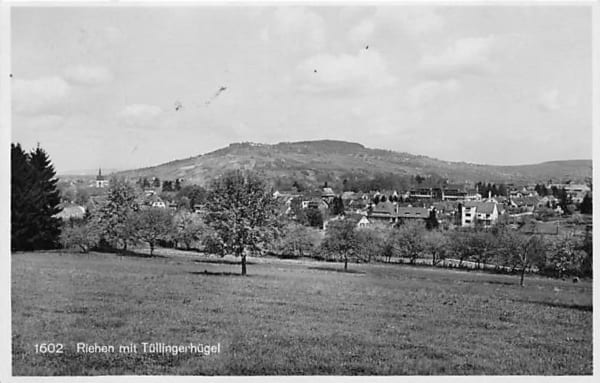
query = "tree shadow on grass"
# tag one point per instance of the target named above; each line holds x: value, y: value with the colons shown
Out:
x: 217, y: 273
x: 491, y: 282
x: 136, y: 254
x: 221, y: 261
x: 324, y: 268
x: 572, y: 306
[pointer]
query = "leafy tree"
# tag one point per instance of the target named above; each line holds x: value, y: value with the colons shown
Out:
x: 145, y: 183
x: 372, y: 242
x: 116, y: 215
x: 296, y: 241
x: 82, y: 196
x: 34, y: 200
x: 242, y: 211
x: 152, y: 225
x: 188, y: 228
x: 83, y: 233
x: 298, y: 212
x: 436, y: 244
x: 314, y: 217
x: 195, y: 195
x: 156, y: 182
x: 522, y: 251
x: 341, y: 239
x: 407, y: 240
x: 482, y: 245
x: 177, y: 186
x: 566, y: 256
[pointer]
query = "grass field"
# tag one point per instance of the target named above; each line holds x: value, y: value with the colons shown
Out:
x: 289, y: 317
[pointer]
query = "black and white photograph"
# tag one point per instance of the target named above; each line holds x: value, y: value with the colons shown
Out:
x: 319, y: 189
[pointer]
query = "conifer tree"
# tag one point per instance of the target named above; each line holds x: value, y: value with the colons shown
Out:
x: 34, y: 200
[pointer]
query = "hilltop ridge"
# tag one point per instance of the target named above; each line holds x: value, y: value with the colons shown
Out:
x: 313, y: 162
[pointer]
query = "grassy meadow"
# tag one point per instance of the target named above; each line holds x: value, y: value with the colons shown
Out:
x: 292, y: 317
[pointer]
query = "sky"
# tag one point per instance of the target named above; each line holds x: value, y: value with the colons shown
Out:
x: 127, y: 87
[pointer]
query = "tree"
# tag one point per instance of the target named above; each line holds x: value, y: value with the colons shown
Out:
x: 156, y: 182
x: 407, y: 240
x: 81, y: 233
x: 586, y: 205
x: 341, y: 239
x: 34, y: 200
x: 296, y: 241
x: 337, y: 206
x: 522, y: 251
x: 314, y: 217
x: 195, y: 194
x: 431, y: 222
x: 116, y: 215
x: 242, y: 211
x: 188, y: 228
x: 152, y: 225
x: 167, y: 186
x: 298, y: 213
x: 177, y: 186
x: 436, y: 244
x: 372, y: 242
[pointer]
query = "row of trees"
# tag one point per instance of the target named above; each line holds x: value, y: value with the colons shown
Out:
x: 501, y: 248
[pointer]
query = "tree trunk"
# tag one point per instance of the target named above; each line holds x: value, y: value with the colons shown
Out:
x: 345, y: 263
x: 151, y: 248
x: 244, y: 264
x: 522, y: 276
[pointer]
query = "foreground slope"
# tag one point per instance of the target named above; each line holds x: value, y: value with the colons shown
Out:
x: 313, y: 162
x: 289, y: 317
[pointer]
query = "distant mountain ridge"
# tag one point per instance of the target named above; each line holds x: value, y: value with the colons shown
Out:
x: 312, y: 162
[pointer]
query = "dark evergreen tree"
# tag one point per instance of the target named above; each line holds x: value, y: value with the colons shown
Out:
x: 167, y: 186
x: 586, y: 205
x: 431, y: 222
x: 34, y: 200
x: 337, y: 206
x: 314, y: 217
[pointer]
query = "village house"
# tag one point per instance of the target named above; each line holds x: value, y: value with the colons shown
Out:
x: 383, y: 212
x: 328, y: 195
x: 71, y: 211
x: 411, y: 213
x: 459, y: 192
x: 476, y: 212
x: 363, y: 223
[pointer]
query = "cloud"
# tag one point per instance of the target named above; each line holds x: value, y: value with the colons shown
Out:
x: 362, y: 31
x: 549, y: 100
x: 412, y: 21
x: 88, y: 75
x: 365, y: 70
x: 416, y: 21
x: 112, y: 34
x: 295, y: 28
x: 470, y: 55
x: 141, y: 115
x: 426, y: 92
x: 39, y: 96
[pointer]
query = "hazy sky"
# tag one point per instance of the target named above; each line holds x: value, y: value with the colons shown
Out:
x: 485, y: 84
